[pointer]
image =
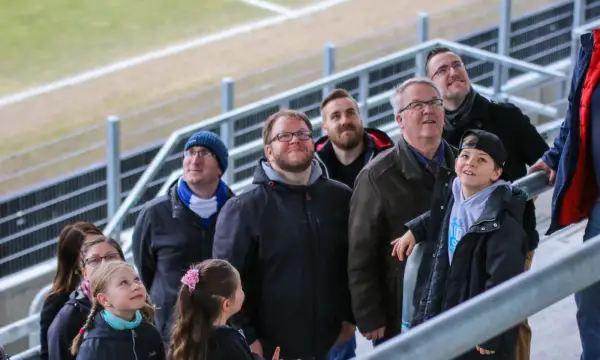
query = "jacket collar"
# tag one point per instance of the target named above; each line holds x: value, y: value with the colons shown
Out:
x: 409, y: 164
x: 375, y: 141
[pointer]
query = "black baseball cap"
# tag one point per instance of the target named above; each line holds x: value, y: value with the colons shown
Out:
x: 488, y: 143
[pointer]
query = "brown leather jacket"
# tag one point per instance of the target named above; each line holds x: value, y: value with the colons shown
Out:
x: 390, y: 191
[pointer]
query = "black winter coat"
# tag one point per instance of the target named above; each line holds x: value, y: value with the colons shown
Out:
x: 102, y: 342
x: 492, y: 251
x: 168, y: 238
x: 52, y: 305
x: 227, y: 343
x: 290, y: 245
x: 66, y: 326
x: 523, y: 144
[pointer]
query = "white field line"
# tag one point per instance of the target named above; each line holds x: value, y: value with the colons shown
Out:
x: 269, y: 6
x: 171, y: 50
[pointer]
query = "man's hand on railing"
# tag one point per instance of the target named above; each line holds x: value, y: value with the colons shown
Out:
x: 483, y: 351
x: 403, y: 245
x: 541, y: 165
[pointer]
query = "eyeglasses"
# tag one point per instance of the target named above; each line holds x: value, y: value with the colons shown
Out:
x: 445, y: 69
x: 288, y: 136
x: 95, y: 261
x: 420, y: 105
x: 202, y: 153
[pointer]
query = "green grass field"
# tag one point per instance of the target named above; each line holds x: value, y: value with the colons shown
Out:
x: 43, y: 40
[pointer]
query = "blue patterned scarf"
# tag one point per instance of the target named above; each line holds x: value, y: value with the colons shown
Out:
x: 118, y: 323
x: 194, y: 203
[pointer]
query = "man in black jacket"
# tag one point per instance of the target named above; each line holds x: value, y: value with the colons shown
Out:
x: 343, y: 152
x: 288, y: 237
x: 466, y: 109
x: 176, y: 230
x: 348, y: 146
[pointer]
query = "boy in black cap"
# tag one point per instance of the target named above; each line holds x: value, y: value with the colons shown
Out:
x: 474, y: 234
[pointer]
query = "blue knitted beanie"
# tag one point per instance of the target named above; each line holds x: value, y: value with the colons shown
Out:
x: 212, y: 142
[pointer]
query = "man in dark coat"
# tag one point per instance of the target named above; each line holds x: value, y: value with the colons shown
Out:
x: 288, y: 237
x: 466, y: 109
x: 391, y: 190
x: 176, y: 230
x: 343, y: 152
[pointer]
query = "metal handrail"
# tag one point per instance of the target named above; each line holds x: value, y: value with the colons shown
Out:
x: 283, y: 98
x: 497, y: 310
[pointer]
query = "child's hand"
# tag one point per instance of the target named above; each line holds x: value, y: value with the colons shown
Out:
x: 276, y: 353
x: 403, y: 245
x: 483, y: 351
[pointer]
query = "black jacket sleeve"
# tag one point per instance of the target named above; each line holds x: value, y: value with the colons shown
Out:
x: 61, y: 333
x: 418, y: 226
x: 236, y: 241
x: 505, y: 258
x: 143, y: 256
x: 50, y: 309
x: 364, y: 262
x: 532, y: 145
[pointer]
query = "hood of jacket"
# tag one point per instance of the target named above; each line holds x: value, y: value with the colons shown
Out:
x: 505, y: 198
x: 375, y: 140
x: 264, y: 173
x: 79, y: 299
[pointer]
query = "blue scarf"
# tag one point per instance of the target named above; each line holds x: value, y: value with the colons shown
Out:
x: 187, y: 198
x: 117, y: 323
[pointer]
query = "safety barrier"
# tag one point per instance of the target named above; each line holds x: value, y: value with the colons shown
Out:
x: 457, y: 330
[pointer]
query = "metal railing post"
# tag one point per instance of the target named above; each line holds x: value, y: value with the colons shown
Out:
x: 422, y: 37
x: 578, y: 19
x: 113, y: 168
x: 227, y: 104
x: 501, y: 72
x: 363, y: 95
x: 328, y: 65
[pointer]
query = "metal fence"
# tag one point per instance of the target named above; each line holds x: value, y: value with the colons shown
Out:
x: 31, y: 221
x: 29, y: 326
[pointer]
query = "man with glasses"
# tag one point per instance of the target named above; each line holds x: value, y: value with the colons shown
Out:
x: 175, y: 231
x: 466, y: 109
x: 391, y: 190
x: 287, y: 235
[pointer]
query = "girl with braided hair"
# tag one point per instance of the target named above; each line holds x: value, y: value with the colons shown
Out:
x: 211, y: 293
x: 96, y: 249
x: 119, y: 325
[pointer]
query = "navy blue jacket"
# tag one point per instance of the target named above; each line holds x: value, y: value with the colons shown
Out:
x: 102, y: 342
x: 66, y: 326
x: 563, y: 156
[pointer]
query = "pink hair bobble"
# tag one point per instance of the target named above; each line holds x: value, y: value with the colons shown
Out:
x: 190, y: 279
x: 82, y: 331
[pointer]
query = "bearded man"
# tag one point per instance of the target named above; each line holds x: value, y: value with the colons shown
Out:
x: 347, y: 147
x: 287, y: 235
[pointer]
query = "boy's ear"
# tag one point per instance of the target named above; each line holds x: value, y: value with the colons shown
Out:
x: 497, y: 174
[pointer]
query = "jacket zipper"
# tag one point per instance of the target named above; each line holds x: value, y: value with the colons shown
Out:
x: 133, y: 339
x: 314, y: 260
x: 455, y: 250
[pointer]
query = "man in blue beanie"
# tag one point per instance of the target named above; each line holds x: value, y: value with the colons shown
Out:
x: 176, y: 230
